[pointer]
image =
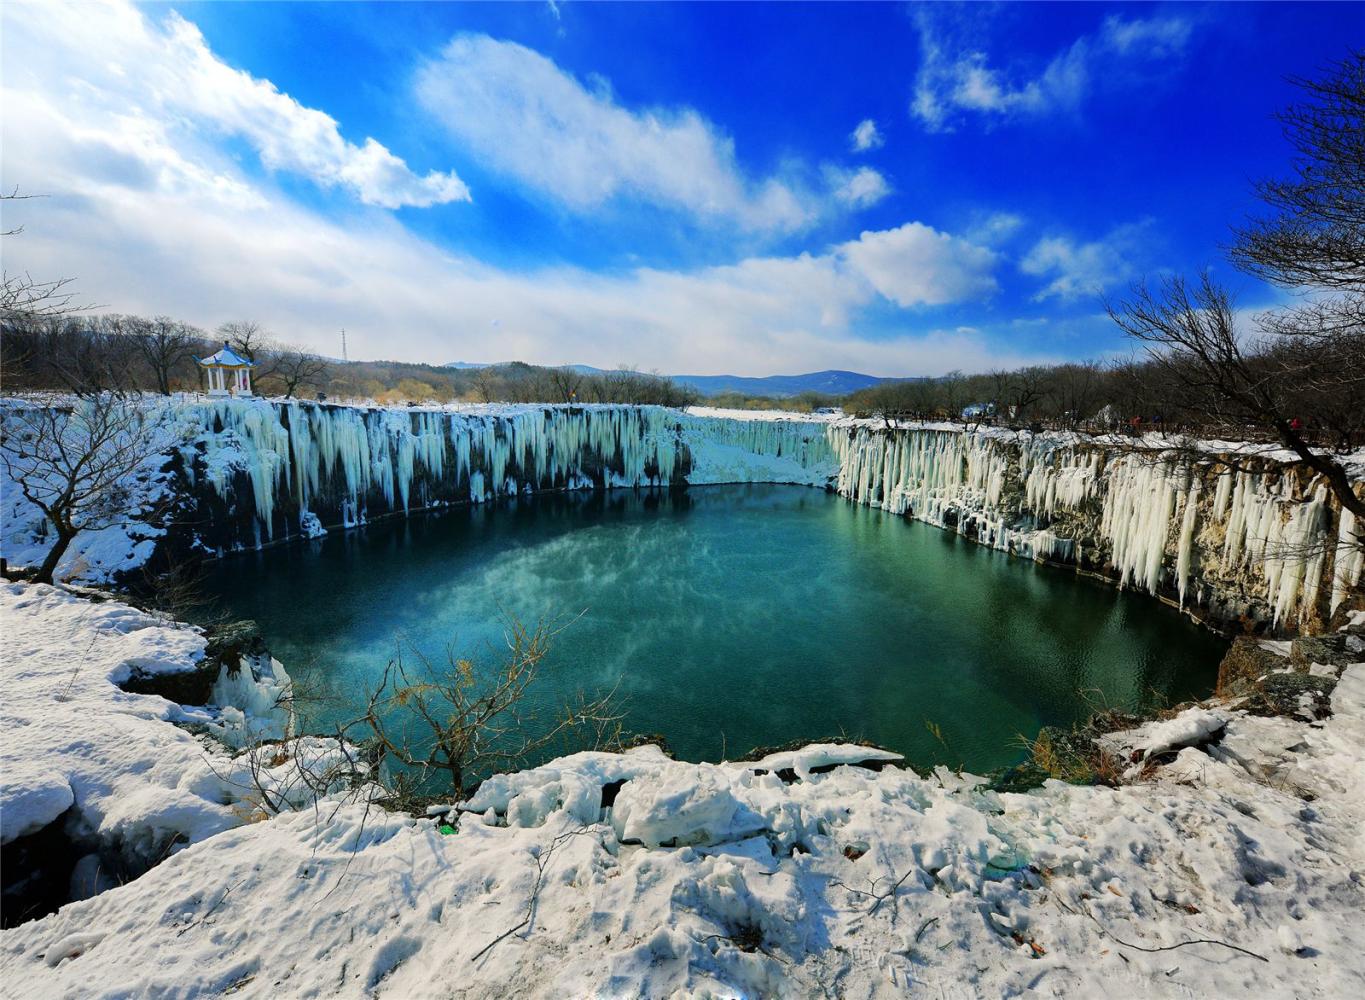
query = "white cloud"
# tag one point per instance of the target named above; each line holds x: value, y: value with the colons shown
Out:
x: 150, y: 216
x: 184, y: 90
x: 402, y: 297
x: 866, y: 136
x: 917, y: 265
x: 955, y: 80
x: 1079, y: 269
x: 859, y: 188
x: 995, y: 228
x: 525, y: 117
x: 1156, y: 37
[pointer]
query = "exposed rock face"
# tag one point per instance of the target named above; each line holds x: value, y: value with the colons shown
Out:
x: 1241, y: 543
x: 1245, y: 543
x: 1294, y: 678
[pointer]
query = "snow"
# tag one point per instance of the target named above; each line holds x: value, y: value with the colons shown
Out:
x: 97, y: 553
x: 803, y: 762
x: 139, y: 783
x: 725, y: 413
x: 698, y: 879
x: 1188, y: 728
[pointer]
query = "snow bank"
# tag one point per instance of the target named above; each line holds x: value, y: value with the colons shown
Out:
x: 73, y: 737
x: 1189, y: 728
x: 1233, y: 872
x: 139, y: 784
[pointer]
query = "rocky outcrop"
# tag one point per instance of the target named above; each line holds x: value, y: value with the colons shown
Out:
x: 1242, y: 542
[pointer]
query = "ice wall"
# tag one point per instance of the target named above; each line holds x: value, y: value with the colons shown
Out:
x: 274, y: 469
x: 1249, y: 538
x: 1260, y: 541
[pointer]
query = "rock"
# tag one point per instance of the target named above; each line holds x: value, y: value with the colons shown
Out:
x: 1245, y: 664
x: 1304, y: 696
x: 1330, y: 650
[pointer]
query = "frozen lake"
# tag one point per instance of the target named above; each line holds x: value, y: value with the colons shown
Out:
x: 733, y: 617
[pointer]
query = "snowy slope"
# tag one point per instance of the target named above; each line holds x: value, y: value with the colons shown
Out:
x: 137, y: 783
x: 1234, y: 873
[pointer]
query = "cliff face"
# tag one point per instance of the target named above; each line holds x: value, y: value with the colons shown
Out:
x: 257, y: 471
x: 1236, y: 540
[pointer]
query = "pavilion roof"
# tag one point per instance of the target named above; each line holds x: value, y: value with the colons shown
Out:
x: 227, y: 358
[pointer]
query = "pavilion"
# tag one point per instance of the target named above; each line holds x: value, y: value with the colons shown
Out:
x: 229, y: 373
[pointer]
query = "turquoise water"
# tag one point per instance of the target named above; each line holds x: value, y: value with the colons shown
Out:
x: 732, y: 617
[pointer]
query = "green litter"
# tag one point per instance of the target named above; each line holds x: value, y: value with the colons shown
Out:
x: 447, y: 829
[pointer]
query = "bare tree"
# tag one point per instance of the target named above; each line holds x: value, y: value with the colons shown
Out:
x: 163, y: 343
x: 247, y: 337
x: 1025, y: 389
x: 469, y: 722
x: 1315, y: 234
x: 564, y: 384
x: 1190, y: 335
x: 1310, y: 367
x: 81, y: 355
x: 81, y: 464
x: 1073, y: 391
x: 485, y: 385
x: 294, y: 368
x: 23, y: 297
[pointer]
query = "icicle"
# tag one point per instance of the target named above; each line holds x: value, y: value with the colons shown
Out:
x: 1349, y: 564
x: 1185, y: 546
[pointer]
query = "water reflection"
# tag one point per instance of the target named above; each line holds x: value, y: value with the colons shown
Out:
x: 734, y: 616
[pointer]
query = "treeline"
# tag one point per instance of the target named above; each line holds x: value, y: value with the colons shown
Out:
x: 1316, y: 385
x: 158, y: 354
x: 522, y: 383
x: 805, y: 402
x: 90, y: 354
x: 1070, y: 395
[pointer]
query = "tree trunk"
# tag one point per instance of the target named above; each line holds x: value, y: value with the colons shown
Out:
x: 54, y: 556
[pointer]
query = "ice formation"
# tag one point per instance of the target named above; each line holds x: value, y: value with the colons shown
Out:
x: 1017, y: 492
x: 1259, y: 539
x: 417, y: 457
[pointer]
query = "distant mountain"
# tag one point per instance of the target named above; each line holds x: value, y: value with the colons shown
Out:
x: 833, y: 383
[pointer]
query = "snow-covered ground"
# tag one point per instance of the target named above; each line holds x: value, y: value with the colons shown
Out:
x: 1235, y: 870
x: 131, y: 777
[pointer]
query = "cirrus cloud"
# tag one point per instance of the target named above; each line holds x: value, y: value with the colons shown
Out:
x: 956, y: 80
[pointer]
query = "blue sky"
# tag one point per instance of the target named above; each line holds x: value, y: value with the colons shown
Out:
x: 901, y: 189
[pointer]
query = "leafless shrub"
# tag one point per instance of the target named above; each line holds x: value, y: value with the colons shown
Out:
x: 464, y: 722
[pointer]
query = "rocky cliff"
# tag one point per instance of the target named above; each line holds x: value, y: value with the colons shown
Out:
x: 1241, y: 539
x: 1238, y: 538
